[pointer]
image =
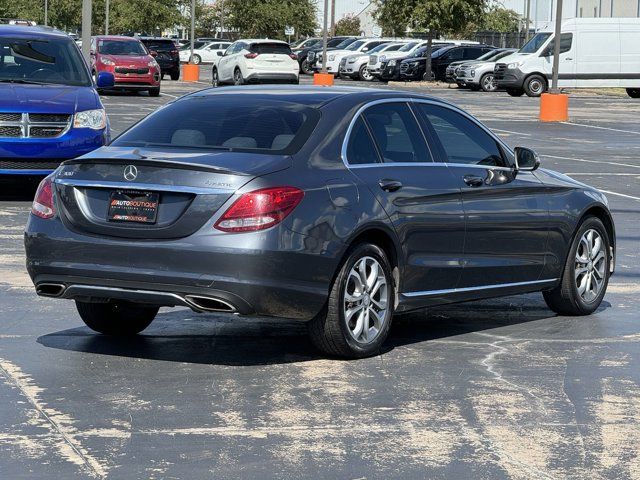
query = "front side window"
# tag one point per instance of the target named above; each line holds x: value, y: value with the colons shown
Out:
x: 533, y: 45
x: 462, y: 140
x: 396, y: 133
x: 454, y: 55
x: 565, y: 44
x: 360, y: 149
x: 55, y: 61
x: 239, y: 124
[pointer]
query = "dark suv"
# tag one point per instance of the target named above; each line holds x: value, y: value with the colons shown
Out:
x: 166, y: 54
x: 415, y: 68
x: 309, y: 58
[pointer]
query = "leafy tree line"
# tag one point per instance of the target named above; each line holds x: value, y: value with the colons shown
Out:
x: 255, y: 18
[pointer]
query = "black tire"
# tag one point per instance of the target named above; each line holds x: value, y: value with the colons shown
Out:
x: 215, y: 80
x: 633, y: 92
x: 238, y: 79
x: 329, y: 331
x: 305, y: 67
x: 196, y: 59
x: 535, y: 85
x: 175, y: 75
x: 154, y: 92
x: 116, y: 318
x: 565, y: 299
x: 515, y: 92
x: 488, y: 83
x: 364, y: 75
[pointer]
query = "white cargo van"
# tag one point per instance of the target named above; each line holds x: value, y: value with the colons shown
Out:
x: 594, y: 52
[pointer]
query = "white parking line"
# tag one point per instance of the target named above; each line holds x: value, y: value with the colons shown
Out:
x: 168, y: 95
x: 601, y: 128
x: 620, y: 194
x: 591, y: 161
x: 510, y: 132
x: 604, y: 174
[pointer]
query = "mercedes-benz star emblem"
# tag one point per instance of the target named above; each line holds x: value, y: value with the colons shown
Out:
x: 130, y: 173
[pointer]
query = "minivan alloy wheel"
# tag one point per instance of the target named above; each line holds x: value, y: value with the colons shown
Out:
x: 590, y: 269
x: 365, y: 300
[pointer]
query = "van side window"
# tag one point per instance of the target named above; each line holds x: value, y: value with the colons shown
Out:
x: 566, y: 39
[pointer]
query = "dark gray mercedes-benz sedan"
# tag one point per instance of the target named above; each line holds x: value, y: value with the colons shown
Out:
x: 334, y: 206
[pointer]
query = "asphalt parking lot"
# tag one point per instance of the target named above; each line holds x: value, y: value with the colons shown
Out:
x: 486, y: 390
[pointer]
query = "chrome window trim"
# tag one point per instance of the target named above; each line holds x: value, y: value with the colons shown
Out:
x: 157, y: 187
x: 410, y: 100
x: 428, y: 293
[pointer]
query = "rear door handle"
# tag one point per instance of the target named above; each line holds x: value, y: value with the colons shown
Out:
x: 389, y: 185
x: 473, y: 180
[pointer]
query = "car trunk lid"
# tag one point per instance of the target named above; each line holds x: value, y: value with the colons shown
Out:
x: 185, y: 188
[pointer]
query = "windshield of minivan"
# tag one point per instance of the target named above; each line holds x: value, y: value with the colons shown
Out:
x: 121, y: 47
x: 533, y: 45
x: 55, y: 61
x: 240, y: 123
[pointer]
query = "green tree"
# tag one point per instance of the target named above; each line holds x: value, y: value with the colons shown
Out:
x: 348, y: 25
x: 445, y: 17
x: 394, y: 16
x: 499, y: 19
x: 268, y: 18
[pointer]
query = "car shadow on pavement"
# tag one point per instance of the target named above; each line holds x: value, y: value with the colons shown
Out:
x: 180, y: 336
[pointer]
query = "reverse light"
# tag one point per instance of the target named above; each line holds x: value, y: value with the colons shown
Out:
x: 93, y: 119
x: 43, y: 202
x: 250, y: 55
x: 260, y: 209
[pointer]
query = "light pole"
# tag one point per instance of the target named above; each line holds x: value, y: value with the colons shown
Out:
x: 556, y: 48
x: 193, y: 28
x: 86, y: 30
x: 324, y: 38
x: 106, y: 17
x: 528, y: 22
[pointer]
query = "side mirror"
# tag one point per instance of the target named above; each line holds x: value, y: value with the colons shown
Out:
x: 105, y: 80
x: 153, y: 53
x: 526, y: 159
x: 219, y: 53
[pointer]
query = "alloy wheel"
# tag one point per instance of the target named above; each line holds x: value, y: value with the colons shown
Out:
x: 237, y: 77
x: 489, y: 83
x: 536, y: 86
x: 590, y: 265
x: 214, y: 78
x: 365, y: 302
x: 366, y: 74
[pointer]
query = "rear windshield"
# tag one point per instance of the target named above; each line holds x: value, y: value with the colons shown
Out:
x: 42, y: 61
x: 121, y: 47
x: 261, y: 48
x: 240, y: 123
x: 160, y: 45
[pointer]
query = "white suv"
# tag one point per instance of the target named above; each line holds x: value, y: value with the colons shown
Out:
x: 364, y: 45
x: 356, y: 66
x: 256, y: 60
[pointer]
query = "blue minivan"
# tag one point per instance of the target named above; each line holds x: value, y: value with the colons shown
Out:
x: 50, y: 110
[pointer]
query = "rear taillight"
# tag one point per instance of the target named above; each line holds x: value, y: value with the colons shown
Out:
x: 250, y: 55
x: 174, y: 52
x: 260, y: 209
x: 43, y: 202
x: 293, y: 56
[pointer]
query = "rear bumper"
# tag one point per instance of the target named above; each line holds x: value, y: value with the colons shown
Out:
x: 285, y: 77
x: 264, y: 274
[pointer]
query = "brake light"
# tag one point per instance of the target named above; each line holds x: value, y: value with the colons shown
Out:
x: 250, y: 55
x: 293, y: 56
x: 174, y: 52
x: 260, y: 209
x: 43, y: 202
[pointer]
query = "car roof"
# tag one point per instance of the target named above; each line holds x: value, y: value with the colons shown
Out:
x: 31, y: 32
x: 313, y: 96
x: 115, y: 37
x: 261, y: 40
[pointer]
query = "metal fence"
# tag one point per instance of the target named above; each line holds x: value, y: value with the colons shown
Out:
x: 502, y: 40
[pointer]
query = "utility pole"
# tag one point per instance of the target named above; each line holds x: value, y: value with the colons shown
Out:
x: 528, y: 22
x: 556, y: 48
x: 46, y: 13
x: 333, y: 18
x: 106, y: 17
x: 324, y: 37
x: 193, y: 28
x: 221, y: 18
x: 86, y: 30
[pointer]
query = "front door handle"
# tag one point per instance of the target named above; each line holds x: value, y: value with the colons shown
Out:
x: 389, y: 185
x: 473, y: 180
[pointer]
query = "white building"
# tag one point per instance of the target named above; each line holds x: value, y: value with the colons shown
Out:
x: 542, y: 12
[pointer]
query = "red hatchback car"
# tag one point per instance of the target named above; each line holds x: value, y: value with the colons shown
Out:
x: 133, y: 66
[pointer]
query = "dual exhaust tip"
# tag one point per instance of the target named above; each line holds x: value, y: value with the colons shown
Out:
x: 199, y: 303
